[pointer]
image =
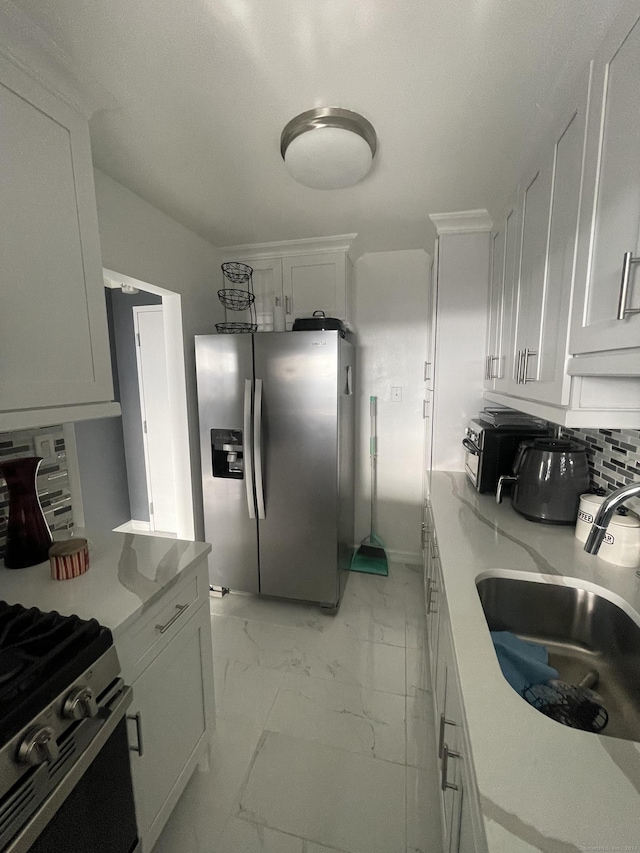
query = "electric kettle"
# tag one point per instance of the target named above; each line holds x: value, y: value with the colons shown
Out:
x: 549, y: 475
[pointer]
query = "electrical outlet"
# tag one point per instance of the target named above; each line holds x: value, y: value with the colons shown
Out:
x: 396, y: 393
x: 45, y: 445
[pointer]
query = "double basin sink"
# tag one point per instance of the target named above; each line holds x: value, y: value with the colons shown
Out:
x: 582, y: 631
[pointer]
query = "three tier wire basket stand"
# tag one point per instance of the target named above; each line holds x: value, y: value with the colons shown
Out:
x: 238, y: 298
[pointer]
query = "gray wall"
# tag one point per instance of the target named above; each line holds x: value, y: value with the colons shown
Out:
x: 140, y: 241
x: 103, y: 475
x: 125, y: 349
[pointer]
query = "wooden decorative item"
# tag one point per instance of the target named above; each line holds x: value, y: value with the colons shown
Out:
x: 69, y: 559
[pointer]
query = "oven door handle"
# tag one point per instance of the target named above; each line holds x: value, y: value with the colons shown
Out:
x: 470, y: 446
x: 32, y: 829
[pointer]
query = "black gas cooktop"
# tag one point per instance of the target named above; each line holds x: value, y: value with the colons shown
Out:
x: 40, y: 655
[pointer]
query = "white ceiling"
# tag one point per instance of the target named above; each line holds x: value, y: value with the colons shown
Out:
x: 454, y: 88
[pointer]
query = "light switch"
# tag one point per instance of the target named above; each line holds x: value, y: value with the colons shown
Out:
x: 396, y: 393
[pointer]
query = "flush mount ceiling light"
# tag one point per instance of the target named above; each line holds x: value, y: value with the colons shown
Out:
x: 328, y: 148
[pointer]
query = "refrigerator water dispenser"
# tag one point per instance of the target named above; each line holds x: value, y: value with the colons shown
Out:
x: 227, y: 454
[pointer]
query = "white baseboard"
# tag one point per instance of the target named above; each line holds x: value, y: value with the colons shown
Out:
x: 412, y: 557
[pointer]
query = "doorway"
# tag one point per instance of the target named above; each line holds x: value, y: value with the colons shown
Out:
x: 149, y: 363
x: 153, y: 386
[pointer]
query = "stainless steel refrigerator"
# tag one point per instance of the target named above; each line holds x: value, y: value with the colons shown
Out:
x: 276, y: 414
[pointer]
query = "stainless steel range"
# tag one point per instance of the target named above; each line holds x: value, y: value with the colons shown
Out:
x: 65, y: 780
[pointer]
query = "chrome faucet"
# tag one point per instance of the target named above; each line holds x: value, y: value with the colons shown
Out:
x: 605, y: 513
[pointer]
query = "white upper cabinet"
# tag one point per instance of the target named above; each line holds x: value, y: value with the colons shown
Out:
x: 492, y: 363
x: 549, y: 222
x: 306, y: 275
x: 560, y: 273
x: 500, y: 351
x: 602, y: 317
x: 54, y: 345
x: 315, y: 283
x: 267, y: 287
x: 535, y: 218
x: 504, y: 379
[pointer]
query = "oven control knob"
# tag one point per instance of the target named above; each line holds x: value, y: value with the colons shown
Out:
x: 38, y: 746
x: 80, y: 704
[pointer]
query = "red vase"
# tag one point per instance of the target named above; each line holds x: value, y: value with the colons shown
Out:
x: 28, y: 534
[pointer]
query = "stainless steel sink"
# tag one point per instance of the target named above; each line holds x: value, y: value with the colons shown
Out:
x: 582, y: 631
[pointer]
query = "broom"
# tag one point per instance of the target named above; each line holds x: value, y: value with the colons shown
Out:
x: 370, y: 557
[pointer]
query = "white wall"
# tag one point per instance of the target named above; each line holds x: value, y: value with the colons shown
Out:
x: 463, y: 289
x: 140, y: 241
x: 390, y: 315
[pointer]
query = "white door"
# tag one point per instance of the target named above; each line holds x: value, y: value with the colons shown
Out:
x: 156, y: 423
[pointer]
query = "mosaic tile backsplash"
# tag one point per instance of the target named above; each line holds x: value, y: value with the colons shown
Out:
x: 53, y: 478
x: 613, y: 455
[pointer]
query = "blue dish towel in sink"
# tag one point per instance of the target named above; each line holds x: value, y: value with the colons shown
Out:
x: 522, y: 663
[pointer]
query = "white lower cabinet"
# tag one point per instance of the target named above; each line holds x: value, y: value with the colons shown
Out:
x: 460, y: 809
x: 171, y: 712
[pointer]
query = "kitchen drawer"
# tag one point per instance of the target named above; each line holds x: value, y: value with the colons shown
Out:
x: 151, y: 633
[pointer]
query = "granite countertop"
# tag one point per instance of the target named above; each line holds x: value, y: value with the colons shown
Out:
x: 128, y: 572
x: 542, y: 786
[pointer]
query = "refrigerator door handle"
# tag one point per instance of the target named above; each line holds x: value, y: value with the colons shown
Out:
x: 246, y: 440
x: 257, y: 447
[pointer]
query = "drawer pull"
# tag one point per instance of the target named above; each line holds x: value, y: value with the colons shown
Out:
x: 446, y: 755
x: 137, y: 719
x: 623, y: 311
x: 180, y: 608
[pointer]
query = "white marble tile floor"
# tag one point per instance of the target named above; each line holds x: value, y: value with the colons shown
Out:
x: 325, y: 733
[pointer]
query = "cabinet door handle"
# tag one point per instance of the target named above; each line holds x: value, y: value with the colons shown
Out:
x: 443, y: 722
x: 490, y: 373
x: 287, y: 304
x: 623, y: 311
x: 427, y: 371
x: 516, y: 367
x: 180, y: 608
x: 137, y: 719
x: 425, y: 409
x: 525, y: 365
x: 446, y: 755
